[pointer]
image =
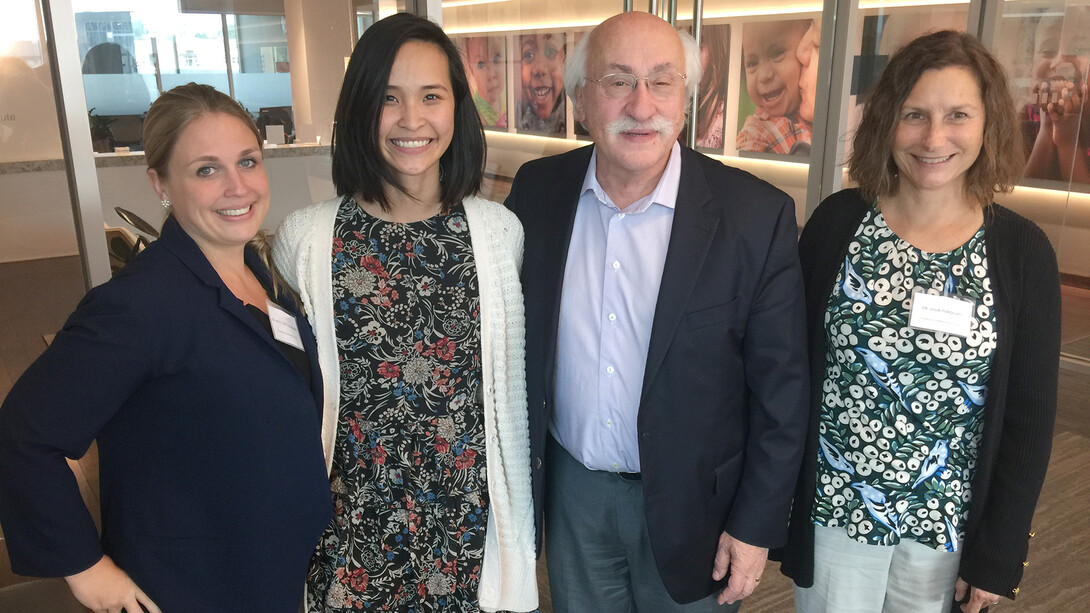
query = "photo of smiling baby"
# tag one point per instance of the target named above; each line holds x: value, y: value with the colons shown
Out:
x: 769, y: 120
x: 485, y: 60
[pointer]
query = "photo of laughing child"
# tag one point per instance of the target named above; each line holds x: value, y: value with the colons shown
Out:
x: 1054, y: 112
x: 542, y: 107
x: 772, y: 76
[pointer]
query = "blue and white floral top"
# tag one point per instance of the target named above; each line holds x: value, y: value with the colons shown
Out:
x: 902, y: 407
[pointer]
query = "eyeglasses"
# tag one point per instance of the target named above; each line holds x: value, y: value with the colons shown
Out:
x: 662, y: 85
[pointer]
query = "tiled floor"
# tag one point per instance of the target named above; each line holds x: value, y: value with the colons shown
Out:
x: 35, y: 298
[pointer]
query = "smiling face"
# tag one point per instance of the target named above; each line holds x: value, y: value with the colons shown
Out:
x: 484, y: 63
x: 772, y: 68
x: 1059, y: 55
x: 940, y: 131
x: 633, y: 136
x: 216, y: 183
x: 542, y: 57
x: 417, y: 121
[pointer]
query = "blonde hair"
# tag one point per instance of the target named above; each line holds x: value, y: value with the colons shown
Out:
x: 175, y: 109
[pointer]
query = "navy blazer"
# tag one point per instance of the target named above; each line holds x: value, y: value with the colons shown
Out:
x: 723, y: 412
x: 213, y: 485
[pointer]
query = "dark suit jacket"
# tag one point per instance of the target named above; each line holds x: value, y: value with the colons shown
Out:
x: 722, y: 417
x: 213, y: 486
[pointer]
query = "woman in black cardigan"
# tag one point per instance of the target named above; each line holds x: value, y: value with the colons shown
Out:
x: 934, y: 322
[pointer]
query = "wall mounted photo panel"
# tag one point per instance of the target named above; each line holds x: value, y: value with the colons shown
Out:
x: 485, y: 59
x: 769, y: 117
x: 542, y: 104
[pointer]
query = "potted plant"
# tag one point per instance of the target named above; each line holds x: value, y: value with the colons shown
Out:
x: 101, y: 137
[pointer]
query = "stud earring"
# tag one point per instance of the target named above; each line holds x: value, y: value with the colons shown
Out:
x: 165, y: 202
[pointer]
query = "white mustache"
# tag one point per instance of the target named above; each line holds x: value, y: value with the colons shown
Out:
x: 658, y: 123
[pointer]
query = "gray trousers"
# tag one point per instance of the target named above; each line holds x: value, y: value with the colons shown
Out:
x: 596, y: 544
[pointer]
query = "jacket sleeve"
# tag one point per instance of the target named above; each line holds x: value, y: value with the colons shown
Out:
x: 774, y: 355
x: 54, y: 411
x: 993, y: 559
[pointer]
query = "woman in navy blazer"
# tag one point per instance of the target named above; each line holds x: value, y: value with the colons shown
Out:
x: 200, y: 383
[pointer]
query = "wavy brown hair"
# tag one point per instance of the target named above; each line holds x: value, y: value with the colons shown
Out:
x: 1000, y: 163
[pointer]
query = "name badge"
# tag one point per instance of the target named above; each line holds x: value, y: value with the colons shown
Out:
x: 948, y: 314
x: 284, y: 328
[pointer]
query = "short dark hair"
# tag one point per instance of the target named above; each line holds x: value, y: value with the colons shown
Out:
x: 1000, y: 163
x: 358, y: 165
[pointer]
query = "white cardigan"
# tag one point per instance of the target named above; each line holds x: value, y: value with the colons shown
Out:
x: 303, y: 250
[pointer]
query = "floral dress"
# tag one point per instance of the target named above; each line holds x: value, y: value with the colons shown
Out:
x: 902, y: 407
x: 408, y: 475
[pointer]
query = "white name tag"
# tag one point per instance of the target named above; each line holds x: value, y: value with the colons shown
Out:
x: 948, y: 314
x: 283, y: 326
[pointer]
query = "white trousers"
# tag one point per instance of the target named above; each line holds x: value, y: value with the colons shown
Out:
x: 854, y: 577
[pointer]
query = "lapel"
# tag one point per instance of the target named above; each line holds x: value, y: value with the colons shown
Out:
x: 561, y: 223
x: 175, y: 240
x: 691, y: 236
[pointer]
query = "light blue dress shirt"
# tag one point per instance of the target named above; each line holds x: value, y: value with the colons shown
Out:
x: 611, y: 286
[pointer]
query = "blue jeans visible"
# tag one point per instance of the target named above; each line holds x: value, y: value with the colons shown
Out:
x: 596, y: 544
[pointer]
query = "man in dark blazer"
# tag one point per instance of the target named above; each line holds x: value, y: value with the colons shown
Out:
x: 666, y: 345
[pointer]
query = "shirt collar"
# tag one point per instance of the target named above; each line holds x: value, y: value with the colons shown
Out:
x: 665, y: 193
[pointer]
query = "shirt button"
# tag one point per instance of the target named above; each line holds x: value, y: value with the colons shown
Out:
x: 609, y: 422
x: 616, y: 466
x: 616, y: 264
x: 620, y: 215
x: 610, y: 369
x: 612, y: 317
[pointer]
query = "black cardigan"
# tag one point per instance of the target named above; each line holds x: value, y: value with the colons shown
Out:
x: 1021, y: 404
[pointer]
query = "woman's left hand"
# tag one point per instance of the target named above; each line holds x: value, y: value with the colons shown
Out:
x: 978, y: 598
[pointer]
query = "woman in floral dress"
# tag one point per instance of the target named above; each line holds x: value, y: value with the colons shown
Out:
x: 411, y: 283
x: 934, y: 342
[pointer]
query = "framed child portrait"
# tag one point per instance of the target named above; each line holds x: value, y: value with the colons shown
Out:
x: 770, y: 106
x: 485, y: 59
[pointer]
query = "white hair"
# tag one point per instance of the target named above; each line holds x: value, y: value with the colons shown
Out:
x: 575, y: 68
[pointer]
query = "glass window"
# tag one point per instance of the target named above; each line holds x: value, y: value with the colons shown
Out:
x: 132, y: 53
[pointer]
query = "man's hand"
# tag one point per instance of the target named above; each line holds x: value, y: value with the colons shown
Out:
x: 745, y: 563
x: 978, y: 598
x: 105, y: 588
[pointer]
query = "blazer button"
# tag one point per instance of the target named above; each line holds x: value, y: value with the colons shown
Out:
x: 537, y: 462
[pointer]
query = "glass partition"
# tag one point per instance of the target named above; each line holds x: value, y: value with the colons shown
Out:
x: 134, y: 51
x: 1046, y: 50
